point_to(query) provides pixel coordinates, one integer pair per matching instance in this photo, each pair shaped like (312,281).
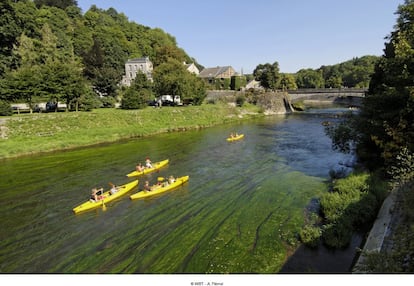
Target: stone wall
(275,103)
(270,102)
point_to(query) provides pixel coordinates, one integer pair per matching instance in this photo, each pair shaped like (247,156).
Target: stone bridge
(351,97)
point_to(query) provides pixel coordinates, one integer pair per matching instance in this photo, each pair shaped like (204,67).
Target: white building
(133,66)
(253,84)
(192,68)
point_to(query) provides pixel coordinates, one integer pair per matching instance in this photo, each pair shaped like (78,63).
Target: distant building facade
(133,66)
(253,84)
(192,68)
(217,73)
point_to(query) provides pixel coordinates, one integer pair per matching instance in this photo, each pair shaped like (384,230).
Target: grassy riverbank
(33,133)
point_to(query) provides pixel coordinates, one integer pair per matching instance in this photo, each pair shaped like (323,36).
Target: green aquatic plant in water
(242,231)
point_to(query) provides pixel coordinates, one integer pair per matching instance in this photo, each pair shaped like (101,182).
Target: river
(240,212)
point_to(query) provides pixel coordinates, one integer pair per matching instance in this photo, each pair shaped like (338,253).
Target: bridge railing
(327,90)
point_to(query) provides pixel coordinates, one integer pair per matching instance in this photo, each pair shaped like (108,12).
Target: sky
(296,34)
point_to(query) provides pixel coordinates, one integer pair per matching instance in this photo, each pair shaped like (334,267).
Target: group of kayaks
(162,186)
(110,195)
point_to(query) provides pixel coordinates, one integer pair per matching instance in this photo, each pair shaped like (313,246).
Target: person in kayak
(171,179)
(147,187)
(139,167)
(96,194)
(114,189)
(148,163)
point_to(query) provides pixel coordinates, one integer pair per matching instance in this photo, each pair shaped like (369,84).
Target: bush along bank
(353,202)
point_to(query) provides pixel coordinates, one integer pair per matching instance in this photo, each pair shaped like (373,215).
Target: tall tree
(388,110)
(287,82)
(164,53)
(23,83)
(353,73)
(9,31)
(44,71)
(27,15)
(46,34)
(62,4)
(384,130)
(138,94)
(309,78)
(172,78)
(26,51)
(268,75)
(63,81)
(110,47)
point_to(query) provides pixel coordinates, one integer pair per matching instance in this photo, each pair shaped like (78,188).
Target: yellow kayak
(107,197)
(238,137)
(158,190)
(155,166)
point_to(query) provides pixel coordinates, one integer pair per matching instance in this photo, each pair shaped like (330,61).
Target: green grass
(34,133)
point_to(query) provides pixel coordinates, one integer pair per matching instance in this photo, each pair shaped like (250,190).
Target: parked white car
(166,99)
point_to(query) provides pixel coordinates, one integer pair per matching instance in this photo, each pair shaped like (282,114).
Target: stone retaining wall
(378,231)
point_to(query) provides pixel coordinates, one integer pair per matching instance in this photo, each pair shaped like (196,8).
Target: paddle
(160,179)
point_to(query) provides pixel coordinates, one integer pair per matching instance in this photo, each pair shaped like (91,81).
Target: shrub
(240,99)
(332,206)
(135,99)
(5,108)
(375,262)
(108,101)
(353,202)
(379,188)
(364,210)
(345,192)
(338,233)
(89,101)
(352,184)
(310,235)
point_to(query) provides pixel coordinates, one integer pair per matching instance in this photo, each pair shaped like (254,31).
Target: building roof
(192,68)
(213,72)
(138,60)
(253,84)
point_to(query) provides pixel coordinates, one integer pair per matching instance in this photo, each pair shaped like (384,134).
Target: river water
(240,212)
